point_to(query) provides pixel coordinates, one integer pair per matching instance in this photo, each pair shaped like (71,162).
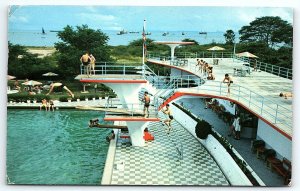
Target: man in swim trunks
(85,61)
(147,104)
(167,111)
(44,104)
(228,80)
(58,84)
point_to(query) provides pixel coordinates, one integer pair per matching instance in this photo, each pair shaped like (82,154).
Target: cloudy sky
(163,18)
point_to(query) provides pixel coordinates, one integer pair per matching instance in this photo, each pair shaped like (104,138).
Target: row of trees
(270,38)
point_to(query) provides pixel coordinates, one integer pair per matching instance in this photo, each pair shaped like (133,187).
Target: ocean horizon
(37,38)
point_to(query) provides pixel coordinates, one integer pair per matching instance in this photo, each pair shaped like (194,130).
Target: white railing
(133,110)
(261,105)
(255,64)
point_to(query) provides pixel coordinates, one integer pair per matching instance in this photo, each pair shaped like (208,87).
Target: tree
(77,42)
(270,30)
(229,37)
(26,65)
(203,129)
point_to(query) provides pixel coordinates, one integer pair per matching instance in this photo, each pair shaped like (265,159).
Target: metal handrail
(107,68)
(270,68)
(136,109)
(267,108)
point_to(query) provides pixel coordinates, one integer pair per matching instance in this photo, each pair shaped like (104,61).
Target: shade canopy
(50,74)
(32,83)
(9,77)
(216,48)
(246,54)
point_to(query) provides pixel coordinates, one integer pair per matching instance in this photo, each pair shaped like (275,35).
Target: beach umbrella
(9,77)
(50,74)
(216,48)
(32,83)
(246,54)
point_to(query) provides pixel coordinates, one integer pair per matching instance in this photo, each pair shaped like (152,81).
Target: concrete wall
(275,140)
(231,170)
(227,106)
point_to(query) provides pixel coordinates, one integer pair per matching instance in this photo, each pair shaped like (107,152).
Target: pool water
(55,147)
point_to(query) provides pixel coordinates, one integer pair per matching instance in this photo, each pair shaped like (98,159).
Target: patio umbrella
(9,77)
(246,54)
(216,48)
(32,83)
(50,74)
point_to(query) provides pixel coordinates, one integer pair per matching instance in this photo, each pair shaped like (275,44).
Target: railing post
(279,71)
(287,73)
(272,69)
(221,88)
(250,99)
(262,105)
(239,93)
(123,69)
(276,113)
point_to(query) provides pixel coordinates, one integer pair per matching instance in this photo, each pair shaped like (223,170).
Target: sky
(130,18)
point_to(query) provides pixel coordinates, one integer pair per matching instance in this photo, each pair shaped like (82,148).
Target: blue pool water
(55,147)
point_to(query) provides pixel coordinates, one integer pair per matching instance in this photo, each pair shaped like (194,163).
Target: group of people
(88,61)
(47,105)
(166,111)
(205,69)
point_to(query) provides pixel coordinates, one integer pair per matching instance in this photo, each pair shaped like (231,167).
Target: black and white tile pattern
(174,159)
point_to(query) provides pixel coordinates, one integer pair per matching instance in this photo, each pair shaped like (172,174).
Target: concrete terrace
(264,87)
(159,162)
(243,146)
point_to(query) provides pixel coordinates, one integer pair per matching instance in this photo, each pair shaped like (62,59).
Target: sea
(37,38)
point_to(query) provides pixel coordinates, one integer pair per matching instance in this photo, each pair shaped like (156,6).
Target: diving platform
(106,126)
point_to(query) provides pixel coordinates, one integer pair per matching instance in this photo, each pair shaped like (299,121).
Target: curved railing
(265,107)
(254,63)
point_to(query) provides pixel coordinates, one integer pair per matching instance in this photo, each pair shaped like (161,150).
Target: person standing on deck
(168,121)
(92,64)
(85,61)
(228,80)
(146,100)
(237,127)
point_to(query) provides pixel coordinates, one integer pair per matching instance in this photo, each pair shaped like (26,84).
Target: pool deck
(159,162)
(243,146)
(262,83)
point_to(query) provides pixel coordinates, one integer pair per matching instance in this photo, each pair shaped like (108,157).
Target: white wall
(275,140)
(227,106)
(231,170)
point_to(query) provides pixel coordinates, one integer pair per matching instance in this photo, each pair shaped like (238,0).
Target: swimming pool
(54,147)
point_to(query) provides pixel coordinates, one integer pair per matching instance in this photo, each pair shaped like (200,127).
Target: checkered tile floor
(160,162)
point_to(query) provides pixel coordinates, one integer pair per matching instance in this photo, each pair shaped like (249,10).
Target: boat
(133,32)
(182,33)
(165,33)
(122,32)
(148,33)
(43,31)
(202,32)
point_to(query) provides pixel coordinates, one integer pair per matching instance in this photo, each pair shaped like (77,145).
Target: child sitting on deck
(148,136)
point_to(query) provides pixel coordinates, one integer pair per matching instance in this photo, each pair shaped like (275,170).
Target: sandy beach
(41,51)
